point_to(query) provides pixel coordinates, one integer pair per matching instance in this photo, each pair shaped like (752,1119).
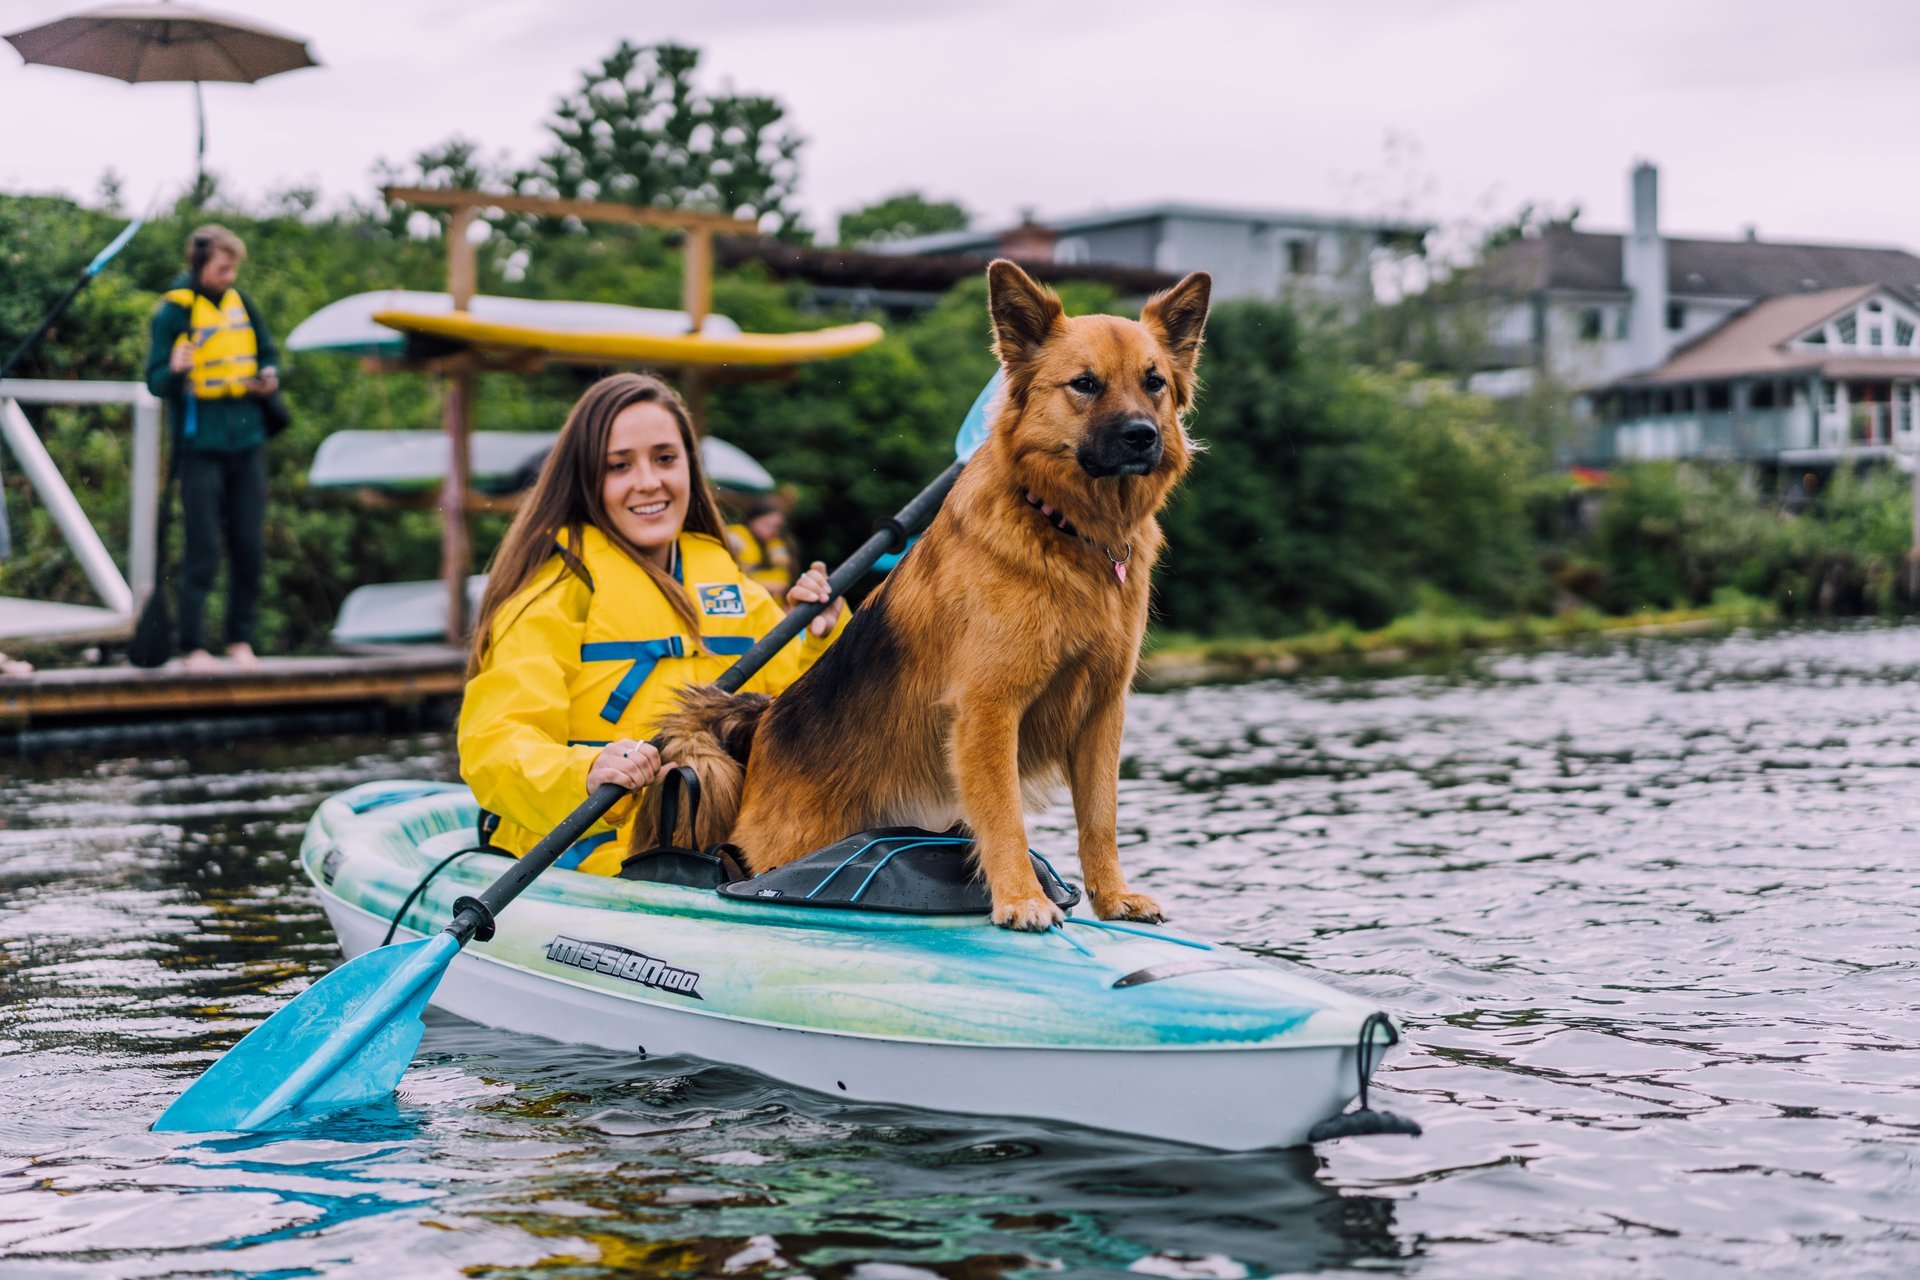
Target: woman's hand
(625,763)
(811,589)
(180,359)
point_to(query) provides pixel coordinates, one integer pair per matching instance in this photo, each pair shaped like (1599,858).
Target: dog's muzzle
(1128,447)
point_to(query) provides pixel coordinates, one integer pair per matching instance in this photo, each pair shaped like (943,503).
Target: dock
(404,687)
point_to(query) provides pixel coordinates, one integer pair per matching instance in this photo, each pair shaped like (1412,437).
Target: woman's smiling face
(647,479)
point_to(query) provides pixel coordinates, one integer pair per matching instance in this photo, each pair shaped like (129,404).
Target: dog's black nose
(1140,436)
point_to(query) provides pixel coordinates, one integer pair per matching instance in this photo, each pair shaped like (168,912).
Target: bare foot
(200,663)
(14,666)
(243,655)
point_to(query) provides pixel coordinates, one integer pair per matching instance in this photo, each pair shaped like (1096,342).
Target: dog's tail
(711,732)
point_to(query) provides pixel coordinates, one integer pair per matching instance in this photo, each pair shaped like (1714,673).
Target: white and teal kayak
(1119,1027)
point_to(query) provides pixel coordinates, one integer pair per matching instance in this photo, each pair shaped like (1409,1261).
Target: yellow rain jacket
(572,668)
(227,354)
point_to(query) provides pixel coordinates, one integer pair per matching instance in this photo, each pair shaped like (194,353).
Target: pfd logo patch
(634,966)
(722,599)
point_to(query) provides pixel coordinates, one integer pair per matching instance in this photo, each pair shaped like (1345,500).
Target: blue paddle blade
(345,1040)
(973,427)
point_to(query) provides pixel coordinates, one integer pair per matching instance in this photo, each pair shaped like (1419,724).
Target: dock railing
(121,596)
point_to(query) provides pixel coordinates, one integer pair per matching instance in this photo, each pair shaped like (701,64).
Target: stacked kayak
(1110,1025)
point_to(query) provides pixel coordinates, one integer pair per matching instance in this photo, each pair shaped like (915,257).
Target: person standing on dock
(212,360)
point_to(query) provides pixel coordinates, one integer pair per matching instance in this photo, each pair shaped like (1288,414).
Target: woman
(612,591)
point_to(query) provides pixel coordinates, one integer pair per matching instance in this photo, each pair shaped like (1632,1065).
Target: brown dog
(994,662)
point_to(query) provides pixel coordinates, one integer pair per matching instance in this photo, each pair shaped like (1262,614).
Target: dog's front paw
(1129,906)
(1035,914)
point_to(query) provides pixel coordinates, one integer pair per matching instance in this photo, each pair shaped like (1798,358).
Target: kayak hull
(1206,1064)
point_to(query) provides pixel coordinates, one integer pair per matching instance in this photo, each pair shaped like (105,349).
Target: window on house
(1876,335)
(1847,329)
(1718,398)
(1593,323)
(1818,338)
(1829,395)
(1903,407)
(1300,257)
(1874,306)
(1676,316)
(1761,396)
(1902,332)
(1620,323)
(1072,249)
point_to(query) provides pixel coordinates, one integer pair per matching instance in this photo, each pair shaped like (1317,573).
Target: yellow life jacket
(225,353)
(768,563)
(572,668)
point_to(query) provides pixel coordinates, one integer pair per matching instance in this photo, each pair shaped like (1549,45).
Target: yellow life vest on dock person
(225,353)
(572,668)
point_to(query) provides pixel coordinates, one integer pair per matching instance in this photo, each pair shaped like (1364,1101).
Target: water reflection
(1645,909)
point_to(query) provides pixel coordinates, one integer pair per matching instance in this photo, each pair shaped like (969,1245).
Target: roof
(1754,343)
(952,241)
(856,269)
(1584,261)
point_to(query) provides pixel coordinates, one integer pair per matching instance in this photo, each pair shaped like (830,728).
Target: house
(1587,311)
(1252,253)
(1802,378)
(862,280)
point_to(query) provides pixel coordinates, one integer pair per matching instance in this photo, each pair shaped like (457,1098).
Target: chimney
(1028,242)
(1643,267)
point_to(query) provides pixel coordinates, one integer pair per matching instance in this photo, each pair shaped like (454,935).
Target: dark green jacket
(220,426)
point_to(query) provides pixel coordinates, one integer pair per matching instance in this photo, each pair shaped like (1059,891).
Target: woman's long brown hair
(570,495)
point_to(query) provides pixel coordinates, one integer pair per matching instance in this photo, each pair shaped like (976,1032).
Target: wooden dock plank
(397,678)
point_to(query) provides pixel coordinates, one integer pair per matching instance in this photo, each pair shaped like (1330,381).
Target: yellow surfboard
(639,348)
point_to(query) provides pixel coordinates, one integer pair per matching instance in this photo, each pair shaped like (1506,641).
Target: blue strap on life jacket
(581,850)
(645,655)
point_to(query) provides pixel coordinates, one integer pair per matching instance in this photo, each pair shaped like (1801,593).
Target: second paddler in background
(759,542)
(612,591)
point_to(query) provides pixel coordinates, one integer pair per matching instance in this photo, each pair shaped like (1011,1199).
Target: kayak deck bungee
(1099,1023)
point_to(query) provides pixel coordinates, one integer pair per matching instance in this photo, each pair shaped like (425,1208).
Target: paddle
(349,1037)
(94,268)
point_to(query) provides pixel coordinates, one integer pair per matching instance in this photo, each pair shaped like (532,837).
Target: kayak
(629,346)
(849,993)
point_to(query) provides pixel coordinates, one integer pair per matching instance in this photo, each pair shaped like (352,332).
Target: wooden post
(693,390)
(696,277)
(461,271)
(456,548)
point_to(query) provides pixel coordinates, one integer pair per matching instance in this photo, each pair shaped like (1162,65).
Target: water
(1647,913)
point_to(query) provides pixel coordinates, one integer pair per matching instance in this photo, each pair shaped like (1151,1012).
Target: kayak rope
(891,853)
(1364,1119)
(394,924)
(1070,940)
(1145,933)
(848,861)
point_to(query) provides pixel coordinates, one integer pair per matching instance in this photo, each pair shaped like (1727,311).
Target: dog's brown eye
(1154,383)
(1086,385)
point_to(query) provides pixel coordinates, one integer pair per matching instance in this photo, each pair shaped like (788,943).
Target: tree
(899,216)
(639,131)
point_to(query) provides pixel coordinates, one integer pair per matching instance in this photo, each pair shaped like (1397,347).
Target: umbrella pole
(200,155)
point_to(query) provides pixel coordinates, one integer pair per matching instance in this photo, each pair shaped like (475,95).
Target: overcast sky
(1795,117)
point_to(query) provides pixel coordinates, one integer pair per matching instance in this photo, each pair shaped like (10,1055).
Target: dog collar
(1058,520)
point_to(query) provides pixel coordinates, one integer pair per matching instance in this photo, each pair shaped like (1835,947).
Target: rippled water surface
(1648,914)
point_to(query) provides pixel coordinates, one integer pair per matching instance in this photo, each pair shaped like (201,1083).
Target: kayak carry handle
(1363,1120)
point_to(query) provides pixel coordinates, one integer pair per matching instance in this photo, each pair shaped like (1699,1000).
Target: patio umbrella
(165,41)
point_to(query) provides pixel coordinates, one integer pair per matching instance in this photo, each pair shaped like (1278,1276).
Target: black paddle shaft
(473,916)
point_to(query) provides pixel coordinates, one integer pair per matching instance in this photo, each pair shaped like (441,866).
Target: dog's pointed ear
(1178,317)
(1024,314)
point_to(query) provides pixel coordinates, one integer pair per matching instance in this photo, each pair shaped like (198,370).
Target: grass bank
(1173,658)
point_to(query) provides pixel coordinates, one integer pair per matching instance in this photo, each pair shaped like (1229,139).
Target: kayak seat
(898,869)
(671,863)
